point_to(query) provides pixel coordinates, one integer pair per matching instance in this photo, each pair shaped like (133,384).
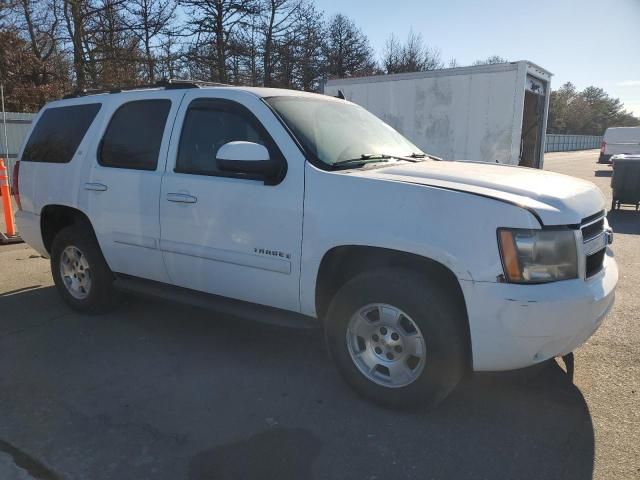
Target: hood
(555,198)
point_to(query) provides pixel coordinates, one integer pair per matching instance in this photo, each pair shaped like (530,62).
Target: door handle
(181,198)
(95,187)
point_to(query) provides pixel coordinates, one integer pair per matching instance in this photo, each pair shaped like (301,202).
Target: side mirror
(246,157)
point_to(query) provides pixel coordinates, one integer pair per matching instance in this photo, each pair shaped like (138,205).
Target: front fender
(453,228)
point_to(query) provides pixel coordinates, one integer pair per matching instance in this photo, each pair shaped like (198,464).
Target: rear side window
(134,135)
(58,133)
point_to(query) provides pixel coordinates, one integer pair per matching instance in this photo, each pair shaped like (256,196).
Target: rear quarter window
(58,133)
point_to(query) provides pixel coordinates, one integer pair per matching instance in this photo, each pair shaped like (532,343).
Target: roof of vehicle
(134,93)
(622,133)
(622,129)
(182,85)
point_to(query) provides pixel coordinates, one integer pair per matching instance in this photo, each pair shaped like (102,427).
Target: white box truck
(488,113)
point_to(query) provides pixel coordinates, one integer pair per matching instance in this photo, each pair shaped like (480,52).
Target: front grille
(594,262)
(593,217)
(592,227)
(593,230)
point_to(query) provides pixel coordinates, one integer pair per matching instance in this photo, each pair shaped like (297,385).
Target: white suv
(292,207)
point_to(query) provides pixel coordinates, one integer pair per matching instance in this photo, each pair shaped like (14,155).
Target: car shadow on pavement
(158,390)
(624,220)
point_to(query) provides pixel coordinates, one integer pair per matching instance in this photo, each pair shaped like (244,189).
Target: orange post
(6,200)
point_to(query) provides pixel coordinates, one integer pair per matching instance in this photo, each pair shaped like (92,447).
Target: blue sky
(587,42)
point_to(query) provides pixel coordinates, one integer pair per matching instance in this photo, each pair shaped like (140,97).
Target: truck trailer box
(488,113)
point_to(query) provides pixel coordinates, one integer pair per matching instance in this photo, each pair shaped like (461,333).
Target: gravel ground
(162,391)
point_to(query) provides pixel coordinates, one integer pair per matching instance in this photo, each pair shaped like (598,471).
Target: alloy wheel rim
(386,345)
(75,272)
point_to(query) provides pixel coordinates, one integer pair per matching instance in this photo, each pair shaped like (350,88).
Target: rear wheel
(397,337)
(80,272)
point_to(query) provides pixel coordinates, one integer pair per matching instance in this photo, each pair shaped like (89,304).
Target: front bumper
(514,326)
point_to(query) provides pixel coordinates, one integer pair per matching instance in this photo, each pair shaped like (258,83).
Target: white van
(619,140)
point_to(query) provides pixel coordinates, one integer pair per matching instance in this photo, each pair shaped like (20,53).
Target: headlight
(538,256)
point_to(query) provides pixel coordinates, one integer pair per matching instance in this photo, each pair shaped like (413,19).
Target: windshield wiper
(363,159)
(383,157)
(425,155)
(416,156)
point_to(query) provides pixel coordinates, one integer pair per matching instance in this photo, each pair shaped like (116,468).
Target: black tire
(440,317)
(101,296)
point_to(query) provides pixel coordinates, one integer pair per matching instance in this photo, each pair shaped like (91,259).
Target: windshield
(339,131)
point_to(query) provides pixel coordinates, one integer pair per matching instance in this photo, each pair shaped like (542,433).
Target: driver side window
(208,125)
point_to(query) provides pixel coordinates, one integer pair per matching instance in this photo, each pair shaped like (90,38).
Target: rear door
(120,189)
(54,153)
(224,233)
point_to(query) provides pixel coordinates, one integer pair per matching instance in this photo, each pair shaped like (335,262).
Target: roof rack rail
(177,83)
(167,84)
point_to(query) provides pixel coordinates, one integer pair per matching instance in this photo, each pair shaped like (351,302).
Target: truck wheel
(80,272)
(398,338)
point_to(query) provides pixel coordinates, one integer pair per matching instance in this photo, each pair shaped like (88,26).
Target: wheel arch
(55,217)
(342,263)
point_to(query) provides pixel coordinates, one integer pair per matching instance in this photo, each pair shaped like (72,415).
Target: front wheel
(398,338)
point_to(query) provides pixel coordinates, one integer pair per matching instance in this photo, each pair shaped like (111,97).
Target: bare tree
(114,54)
(310,57)
(148,21)
(20,74)
(38,22)
(492,60)
(213,23)
(278,18)
(243,59)
(413,56)
(168,60)
(5,12)
(87,24)
(420,57)
(285,61)
(392,55)
(252,67)
(76,14)
(348,50)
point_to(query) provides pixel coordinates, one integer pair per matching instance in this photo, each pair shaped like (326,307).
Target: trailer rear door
(533,116)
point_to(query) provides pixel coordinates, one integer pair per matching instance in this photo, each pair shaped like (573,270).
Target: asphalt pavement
(162,391)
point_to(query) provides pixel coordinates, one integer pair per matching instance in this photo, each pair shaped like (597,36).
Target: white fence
(567,143)
(13,128)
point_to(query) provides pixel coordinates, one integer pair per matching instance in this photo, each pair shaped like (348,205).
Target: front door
(232,234)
